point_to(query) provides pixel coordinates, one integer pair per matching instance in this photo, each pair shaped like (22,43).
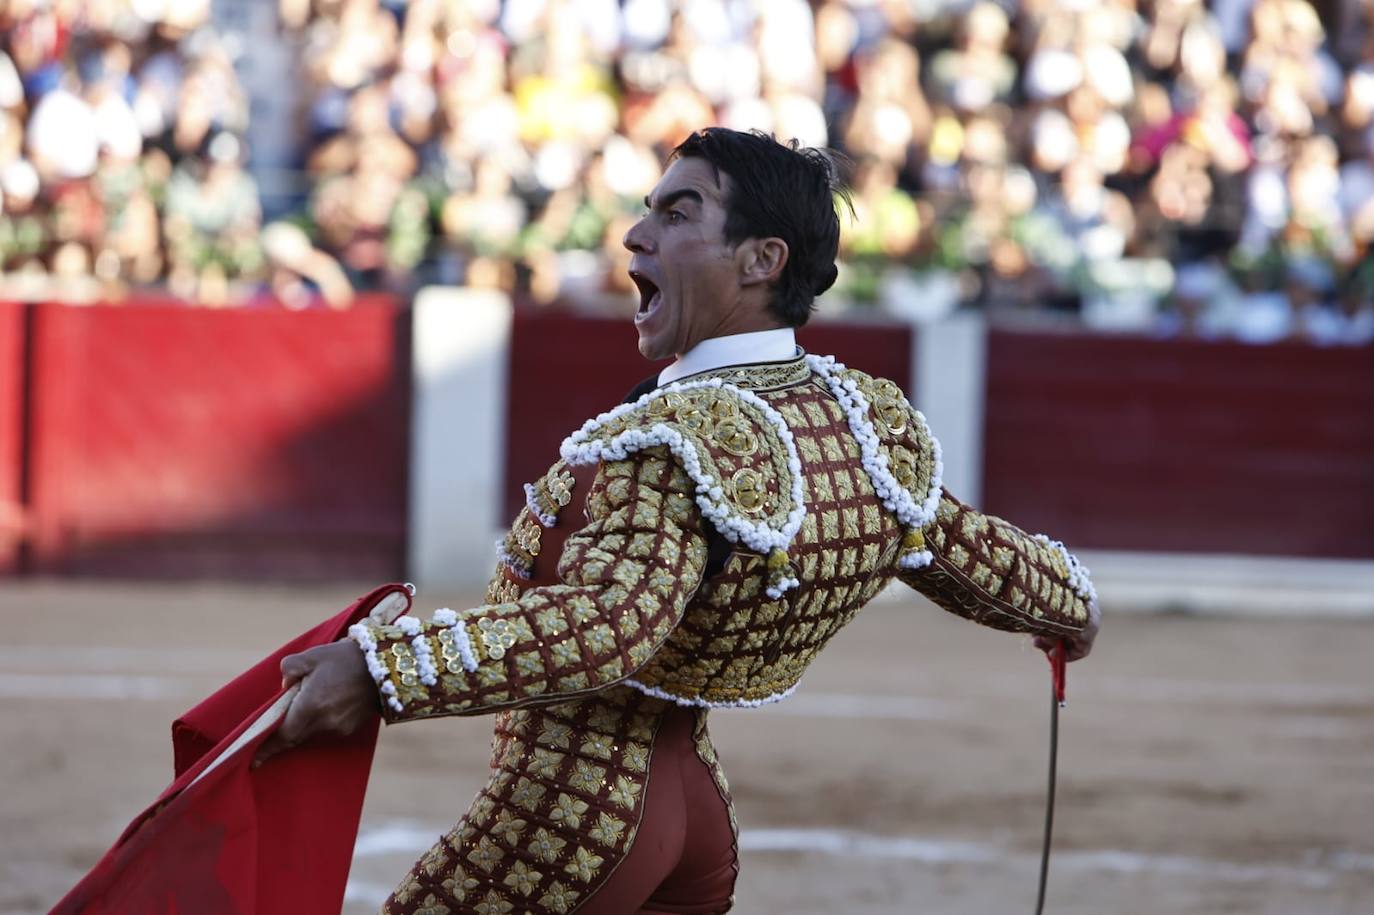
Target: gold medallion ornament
(889,407)
(667,405)
(724,409)
(714,428)
(750,492)
(735,437)
(693,417)
(903,466)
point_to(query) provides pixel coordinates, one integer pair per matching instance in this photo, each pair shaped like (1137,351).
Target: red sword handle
(1059,668)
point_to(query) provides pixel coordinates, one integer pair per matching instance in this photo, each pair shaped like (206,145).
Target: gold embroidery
(508,827)
(889,407)
(584,865)
(735,437)
(569,810)
(665,405)
(750,491)
(559,898)
(546,846)
(523,878)
(502,590)
(560,486)
(903,466)
(486,855)
(608,830)
(498,635)
(761,376)
(526,534)
(695,418)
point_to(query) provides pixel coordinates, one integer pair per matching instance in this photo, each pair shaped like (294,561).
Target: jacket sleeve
(627,576)
(994,573)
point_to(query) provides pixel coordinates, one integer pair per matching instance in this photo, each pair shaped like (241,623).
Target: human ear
(762,260)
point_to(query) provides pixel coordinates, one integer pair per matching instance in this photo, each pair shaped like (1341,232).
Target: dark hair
(779,190)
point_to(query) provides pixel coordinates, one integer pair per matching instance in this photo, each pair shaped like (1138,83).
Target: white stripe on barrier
(948,369)
(458,423)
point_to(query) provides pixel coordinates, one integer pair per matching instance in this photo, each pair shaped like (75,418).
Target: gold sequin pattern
(501,590)
(991,571)
(734,443)
(563,804)
(734,644)
(616,606)
(558,814)
(554,490)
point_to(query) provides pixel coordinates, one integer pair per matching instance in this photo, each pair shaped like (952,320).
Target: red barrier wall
(1128,443)
(174,441)
(11,433)
(566,368)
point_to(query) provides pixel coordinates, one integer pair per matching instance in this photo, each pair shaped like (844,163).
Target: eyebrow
(673,197)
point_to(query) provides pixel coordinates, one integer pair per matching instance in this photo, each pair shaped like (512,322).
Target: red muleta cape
(226,839)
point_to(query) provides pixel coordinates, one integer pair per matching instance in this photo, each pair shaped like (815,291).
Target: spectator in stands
(890,119)
(211,223)
(367,209)
(23,226)
(977,72)
(300,274)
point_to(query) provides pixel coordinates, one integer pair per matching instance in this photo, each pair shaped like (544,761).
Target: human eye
(675,216)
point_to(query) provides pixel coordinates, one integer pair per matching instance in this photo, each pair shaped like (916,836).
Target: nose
(637,238)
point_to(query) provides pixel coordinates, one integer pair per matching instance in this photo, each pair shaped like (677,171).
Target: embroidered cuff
(1077,577)
(361,634)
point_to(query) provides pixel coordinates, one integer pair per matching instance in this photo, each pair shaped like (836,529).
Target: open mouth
(649,295)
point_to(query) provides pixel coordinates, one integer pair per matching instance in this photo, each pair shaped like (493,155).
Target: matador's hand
(1078,644)
(336,698)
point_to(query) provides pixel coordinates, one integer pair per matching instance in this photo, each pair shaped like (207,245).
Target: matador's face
(692,284)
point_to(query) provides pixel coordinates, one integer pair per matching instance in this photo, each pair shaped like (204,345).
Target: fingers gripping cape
(225,838)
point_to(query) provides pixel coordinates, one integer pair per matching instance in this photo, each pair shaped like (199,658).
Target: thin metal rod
(1049,802)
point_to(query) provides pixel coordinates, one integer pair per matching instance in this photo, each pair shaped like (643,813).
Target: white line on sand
(407,838)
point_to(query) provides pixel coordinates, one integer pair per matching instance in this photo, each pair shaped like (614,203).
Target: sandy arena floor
(1208,766)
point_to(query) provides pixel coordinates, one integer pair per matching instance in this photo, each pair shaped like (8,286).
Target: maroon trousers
(683,860)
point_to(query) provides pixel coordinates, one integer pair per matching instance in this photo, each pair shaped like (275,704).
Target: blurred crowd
(123,160)
(1203,168)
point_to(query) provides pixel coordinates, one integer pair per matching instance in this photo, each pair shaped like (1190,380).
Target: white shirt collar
(777,345)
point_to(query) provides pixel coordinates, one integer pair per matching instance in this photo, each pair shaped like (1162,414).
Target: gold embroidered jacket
(824,483)
(700,546)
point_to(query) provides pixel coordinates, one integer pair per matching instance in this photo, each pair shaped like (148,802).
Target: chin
(652,350)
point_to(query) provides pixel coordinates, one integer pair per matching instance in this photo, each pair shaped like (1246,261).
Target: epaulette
(735,447)
(899,453)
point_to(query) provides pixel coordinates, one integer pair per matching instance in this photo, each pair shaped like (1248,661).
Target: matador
(695,547)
